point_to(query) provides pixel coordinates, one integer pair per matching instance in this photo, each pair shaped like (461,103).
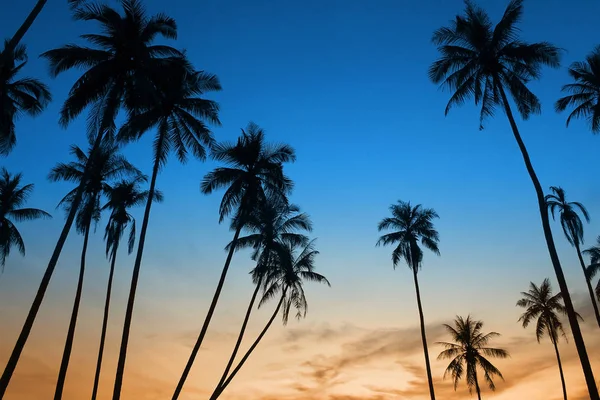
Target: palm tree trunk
(220,390)
(588,283)
(104,322)
(477,388)
(560,369)
(39,296)
(64,364)
(209,315)
(423,336)
(560,277)
(134,280)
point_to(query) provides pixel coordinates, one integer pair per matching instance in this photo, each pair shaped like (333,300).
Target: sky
(345,83)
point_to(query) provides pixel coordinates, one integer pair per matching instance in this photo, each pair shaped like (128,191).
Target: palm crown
(594,267)
(569,219)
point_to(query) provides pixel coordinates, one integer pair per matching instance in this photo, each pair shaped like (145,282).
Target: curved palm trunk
(220,390)
(560,277)
(64,364)
(560,369)
(588,283)
(39,296)
(477,389)
(134,281)
(209,315)
(104,322)
(423,336)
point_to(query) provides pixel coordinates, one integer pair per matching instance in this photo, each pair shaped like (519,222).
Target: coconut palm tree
(594,267)
(285,276)
(469,351)
(584,93)
(543,307)
(17,96)
(573,230)
(411,225)
(489,63)
(104,164)
(12,197)
(122,196)
(254,172)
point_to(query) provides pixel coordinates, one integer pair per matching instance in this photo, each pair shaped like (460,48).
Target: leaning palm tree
(284,277)
(469,351)
(106,164)
(542,306)
(485,62)
(17,96)
(573,230)
(594,267)
(254,173)
(121,197)
(584,93)
(12,197)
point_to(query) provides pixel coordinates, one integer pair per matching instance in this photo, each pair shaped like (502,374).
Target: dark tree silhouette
(254,172)
(13,196)
(584,93)
(594,267)
(483,61)
(411,225)
(469,351)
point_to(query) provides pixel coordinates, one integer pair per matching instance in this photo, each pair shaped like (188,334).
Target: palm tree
(470,351)
(594,267)
(114,76)
(285,275)
(573,230)
(12,197)
(18,95)
(254,173)
(105,164)
(584,93)
(484,61)
(541,305)
(121,197)
(411,225)
(273,224)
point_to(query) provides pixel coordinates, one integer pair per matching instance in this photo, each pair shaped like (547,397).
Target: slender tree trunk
(134,281)
(560,369)
(220,390)
(588,283)
(477,388)
(39,296)
(211,310)
(560,277)
(423,336)
(104,322)
(64,364)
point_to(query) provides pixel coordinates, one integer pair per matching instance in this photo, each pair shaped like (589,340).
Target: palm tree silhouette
(273,223)
(573,230)
(470,351)
(104,164)
(18,95)
(286,274)
(584,93)
(484,61)
(121,197)
(594,267)
(115,75)
(542,306)
(254,172)
(12,197)
(411,225)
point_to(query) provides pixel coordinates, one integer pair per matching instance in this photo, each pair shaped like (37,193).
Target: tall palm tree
(122,196)
(543,307)
(286,274)
(273,224)
(584,93)
(12,197)
(17,96)
(104,164)
(594,267)
(484,61)
(411,225)
(469,351)
(254,172)
(573,230)
(114,75)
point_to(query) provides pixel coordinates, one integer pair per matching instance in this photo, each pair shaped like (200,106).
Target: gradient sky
(345,83)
